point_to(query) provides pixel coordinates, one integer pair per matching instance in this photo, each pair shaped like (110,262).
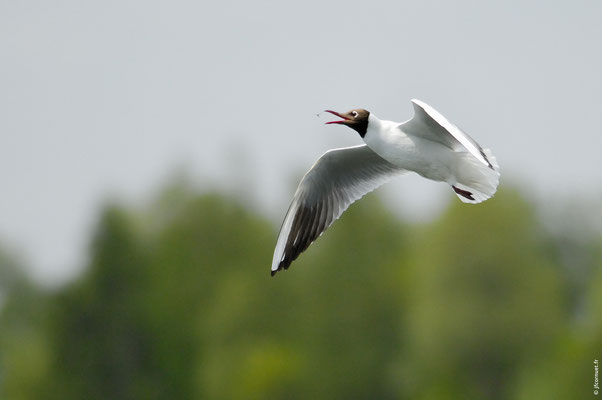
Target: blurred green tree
(177,302)
(24,349)
(483,297)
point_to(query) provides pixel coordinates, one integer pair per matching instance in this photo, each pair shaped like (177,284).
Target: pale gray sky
(108,97)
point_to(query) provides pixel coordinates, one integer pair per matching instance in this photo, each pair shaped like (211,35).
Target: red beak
(338,115)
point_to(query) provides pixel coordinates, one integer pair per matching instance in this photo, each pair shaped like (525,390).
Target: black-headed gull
(427,144)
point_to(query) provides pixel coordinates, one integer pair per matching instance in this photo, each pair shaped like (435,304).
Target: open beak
(338,115)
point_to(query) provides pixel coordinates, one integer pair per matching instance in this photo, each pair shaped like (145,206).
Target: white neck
(374,127)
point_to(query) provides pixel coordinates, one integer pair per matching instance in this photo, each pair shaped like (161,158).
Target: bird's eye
(354,113)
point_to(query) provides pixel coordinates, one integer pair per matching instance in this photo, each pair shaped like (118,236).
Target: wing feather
(337,179)
(430,124)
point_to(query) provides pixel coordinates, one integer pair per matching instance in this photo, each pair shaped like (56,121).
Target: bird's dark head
(356,119)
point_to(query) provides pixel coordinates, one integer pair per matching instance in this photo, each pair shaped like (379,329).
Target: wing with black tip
(337,179)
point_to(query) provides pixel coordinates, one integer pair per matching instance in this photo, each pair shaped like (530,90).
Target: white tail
(476,181)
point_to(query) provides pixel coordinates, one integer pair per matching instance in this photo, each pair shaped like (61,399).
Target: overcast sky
(107,98)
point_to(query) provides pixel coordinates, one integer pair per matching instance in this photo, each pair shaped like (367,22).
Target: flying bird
(427,144)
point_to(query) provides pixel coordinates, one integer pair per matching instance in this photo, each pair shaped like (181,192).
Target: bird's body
(427,144)
(429,159)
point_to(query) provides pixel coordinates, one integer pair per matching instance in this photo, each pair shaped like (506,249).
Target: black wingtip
(273,273)
(463,193)
(486,159)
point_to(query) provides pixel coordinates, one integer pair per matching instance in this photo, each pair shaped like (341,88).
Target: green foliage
(484,298)
(177,302)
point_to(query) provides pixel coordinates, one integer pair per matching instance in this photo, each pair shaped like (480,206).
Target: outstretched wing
(430,124)
(337,179)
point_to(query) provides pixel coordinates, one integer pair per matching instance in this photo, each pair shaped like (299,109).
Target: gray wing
(430,124)
(337,179)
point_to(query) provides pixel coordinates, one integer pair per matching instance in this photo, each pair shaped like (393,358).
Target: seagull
(427,144)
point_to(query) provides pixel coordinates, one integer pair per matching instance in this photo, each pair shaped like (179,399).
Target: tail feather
(474,177)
